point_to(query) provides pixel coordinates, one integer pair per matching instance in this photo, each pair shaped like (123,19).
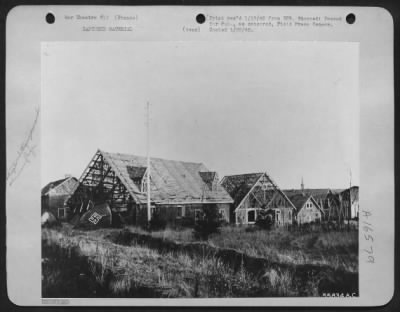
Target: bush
(264,219)
(157,222)
(208,224)
(251,229)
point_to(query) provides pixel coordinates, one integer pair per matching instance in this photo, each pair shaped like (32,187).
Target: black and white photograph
(199,156)
(199,169)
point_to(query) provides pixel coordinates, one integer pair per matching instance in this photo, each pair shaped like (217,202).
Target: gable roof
(239,185)
(52,185)
(172,181)
(353,192)
(317,194)
(299,198)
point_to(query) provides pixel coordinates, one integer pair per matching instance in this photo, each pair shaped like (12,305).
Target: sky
(290,109)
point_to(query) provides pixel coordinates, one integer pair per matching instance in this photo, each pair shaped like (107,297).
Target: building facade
(337,205)
(55,196)
(308,210)
(179,191)
(254,192)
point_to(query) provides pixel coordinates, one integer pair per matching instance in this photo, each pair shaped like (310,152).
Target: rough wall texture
(53,203)
(177,215)
(309,214)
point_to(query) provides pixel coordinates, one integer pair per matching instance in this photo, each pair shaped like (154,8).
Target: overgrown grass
(122,271)
(338,249)
(180,235)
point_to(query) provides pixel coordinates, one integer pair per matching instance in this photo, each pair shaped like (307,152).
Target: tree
(265,219)
(209,222)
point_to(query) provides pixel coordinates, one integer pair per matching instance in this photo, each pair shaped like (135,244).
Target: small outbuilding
(55,195)
(308,210)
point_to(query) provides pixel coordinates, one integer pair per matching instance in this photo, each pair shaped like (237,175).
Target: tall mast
(350,196)
(148,163)
(349,208)
(350,178)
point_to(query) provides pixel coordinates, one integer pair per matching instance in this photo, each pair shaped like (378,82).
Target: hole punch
(50,18)
(200,18)
(350,18)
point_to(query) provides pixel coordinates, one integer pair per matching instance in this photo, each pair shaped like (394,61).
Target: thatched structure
(253,192)
(179,190)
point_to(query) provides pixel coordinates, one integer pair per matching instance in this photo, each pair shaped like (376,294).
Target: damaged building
(254,192)
(179,191)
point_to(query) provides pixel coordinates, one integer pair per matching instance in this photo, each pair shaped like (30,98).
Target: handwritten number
(371,259)
(366,214)
(368,229)
(369,251)
(368,237)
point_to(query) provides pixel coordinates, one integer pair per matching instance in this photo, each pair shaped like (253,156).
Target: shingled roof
(52,185)
(238,186)
(172,181)
(317,194)
(299,198)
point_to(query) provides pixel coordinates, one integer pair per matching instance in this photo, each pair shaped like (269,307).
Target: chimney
(302,185)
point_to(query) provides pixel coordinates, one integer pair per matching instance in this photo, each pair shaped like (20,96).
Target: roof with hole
(354,193)
(238,186)
(172,181)
(317,194)
(299,198)
(64,188)
(208,176)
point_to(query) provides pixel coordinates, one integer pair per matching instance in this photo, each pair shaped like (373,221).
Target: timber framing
(265,179)
(99,183)
(120,181)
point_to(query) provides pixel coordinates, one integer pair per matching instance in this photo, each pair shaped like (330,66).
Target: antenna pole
(349,212)
(148,163)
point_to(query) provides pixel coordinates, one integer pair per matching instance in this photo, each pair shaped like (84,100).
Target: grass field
(338,249)
(79,263)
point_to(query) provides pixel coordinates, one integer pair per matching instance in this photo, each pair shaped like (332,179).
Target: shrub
(157,222)
(251,229)
(208,223)
(264,219)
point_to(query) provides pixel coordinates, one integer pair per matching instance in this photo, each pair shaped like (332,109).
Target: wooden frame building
(55,195)
(308,210)
(338,205)
(179,190)
(256,191)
